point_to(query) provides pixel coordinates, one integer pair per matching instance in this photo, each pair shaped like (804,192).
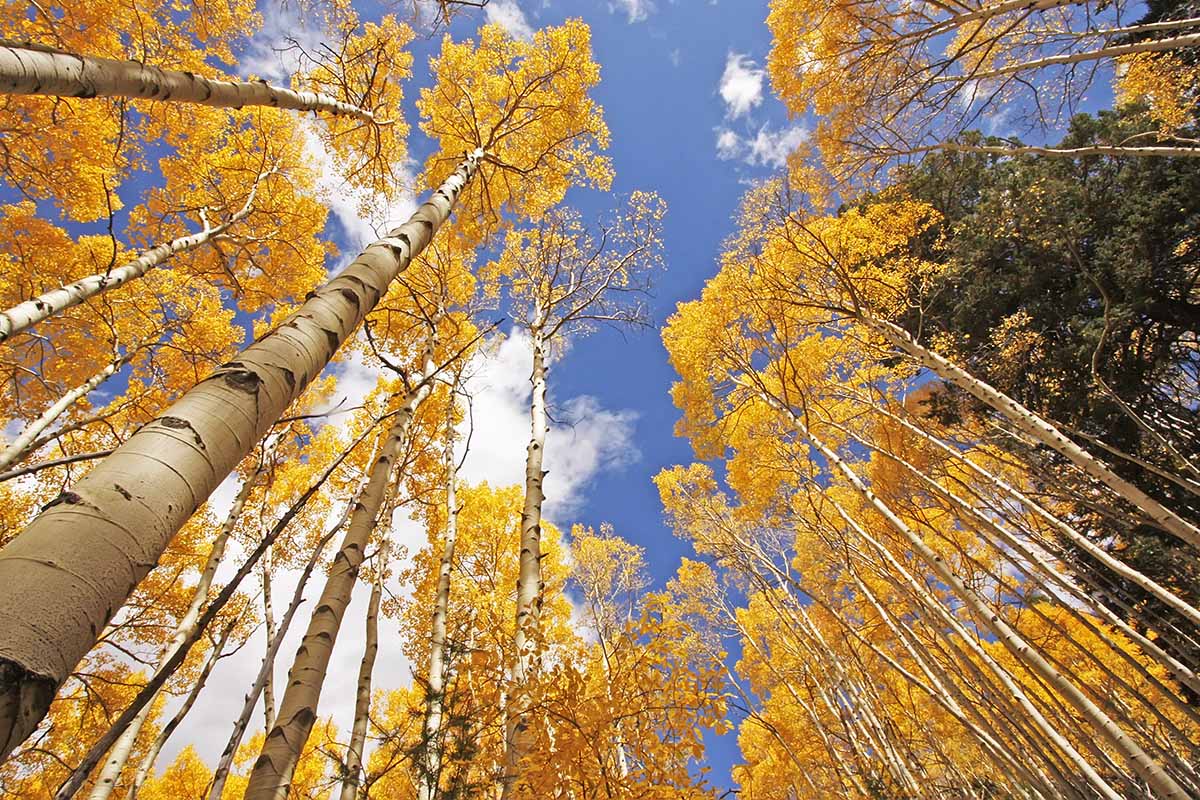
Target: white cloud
(584,437)
(771,148)
(346,202)
(676,57)
(274,52)
(635,10)
(767,148)
(741,85)
(729,144)
(508,15)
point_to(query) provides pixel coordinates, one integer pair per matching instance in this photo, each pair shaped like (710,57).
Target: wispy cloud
(585,439)
(508,15)
(635,10)
(766,148)
(741,85)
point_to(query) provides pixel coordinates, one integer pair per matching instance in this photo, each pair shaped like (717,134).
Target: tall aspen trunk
(1047,735)
(147,763)
(106,781)
(987,12)
(1151,45)
(221,773)
(21,445)
(46,305)
(362,699)
(947,701)
(115,523)
(1060,583)
(431,756)
(1036,427)
(272,774)
(147,693)
(917,589)
(529,578)
(1120,568)
(1163,784)
(268,691)
(39,70)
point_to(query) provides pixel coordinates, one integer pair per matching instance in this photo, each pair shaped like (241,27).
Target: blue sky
(677,79)
(692,118)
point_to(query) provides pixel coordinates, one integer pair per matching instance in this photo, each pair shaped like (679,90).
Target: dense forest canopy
(341,458)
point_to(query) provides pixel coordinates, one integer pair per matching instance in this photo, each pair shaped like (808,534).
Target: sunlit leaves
(527,105)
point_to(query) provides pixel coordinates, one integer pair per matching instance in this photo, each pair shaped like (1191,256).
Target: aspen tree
(778,372)
(213,425)
(362,699)
(147,693)
(146,765)
(41,70)
(48,155)
(221,774)
(197,434)
(565,279)
(273,769)
(899,80)
(430,769)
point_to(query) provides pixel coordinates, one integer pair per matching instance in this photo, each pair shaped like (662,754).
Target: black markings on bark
(351,297)
(242,380)
(121,490)
(396,250)
(175,423)
(365,287)
(333,339)
(290,377)
(69,498)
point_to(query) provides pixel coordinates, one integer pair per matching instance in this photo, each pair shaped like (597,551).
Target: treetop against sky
(646,398)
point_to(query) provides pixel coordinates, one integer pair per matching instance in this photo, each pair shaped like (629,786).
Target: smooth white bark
(272,774)
(44,71)
(352,778)
(115,523)
(21,445)
(30,312)
(529,577)
(431,754)
(1160,781)
(1036,427)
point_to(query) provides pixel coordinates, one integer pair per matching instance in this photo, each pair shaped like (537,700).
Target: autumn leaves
(234,228)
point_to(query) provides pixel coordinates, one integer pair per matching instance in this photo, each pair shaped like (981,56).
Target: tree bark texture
(41,70)
(67,573)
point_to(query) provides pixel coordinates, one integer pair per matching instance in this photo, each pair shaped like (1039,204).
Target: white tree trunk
(221,773)
(1163,785)
(1033,425)
(268,691)
(21,445)
(46,305)
(431,764)
(362,699)
(45,71)
(147,762)
(529,577)
(272,774)
(115,523)
(1151,45)
(106,781)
